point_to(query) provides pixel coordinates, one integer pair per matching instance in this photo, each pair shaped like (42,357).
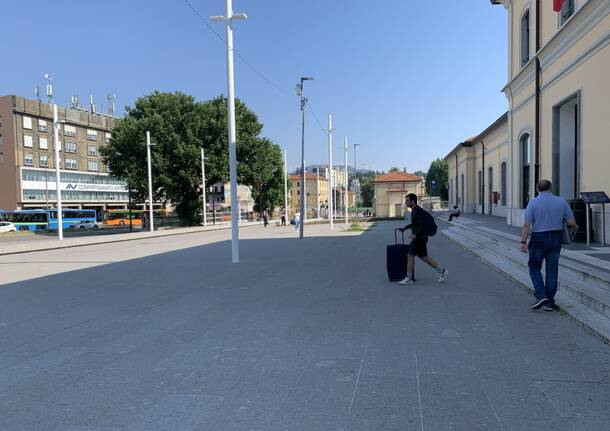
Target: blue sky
(405,79)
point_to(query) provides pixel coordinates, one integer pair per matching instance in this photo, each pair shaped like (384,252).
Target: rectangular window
(42,126)
(567,10)
(108,136)
(69,130)
(27,141)
(70,147)
(92,165)
(27,123)
(71,164)
(92,150)
(44,161)
(91,135)
(43,144)
(29,159)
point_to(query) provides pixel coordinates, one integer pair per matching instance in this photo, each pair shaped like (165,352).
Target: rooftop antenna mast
(37,92)
(111,98)
(91,104)
(49,79)
(74,103)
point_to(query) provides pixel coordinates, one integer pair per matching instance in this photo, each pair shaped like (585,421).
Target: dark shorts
(418,247)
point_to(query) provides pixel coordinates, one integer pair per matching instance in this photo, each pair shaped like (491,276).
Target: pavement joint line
(421,408)
(351,404)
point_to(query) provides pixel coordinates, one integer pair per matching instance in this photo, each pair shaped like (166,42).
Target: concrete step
(593,295)
(567,264)
(587,305)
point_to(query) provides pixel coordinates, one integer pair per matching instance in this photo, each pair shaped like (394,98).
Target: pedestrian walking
(283,217)
(420,226)
(265,218)
(297,220)
(544,219)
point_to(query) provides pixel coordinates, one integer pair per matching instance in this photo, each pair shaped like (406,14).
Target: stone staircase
(584,289)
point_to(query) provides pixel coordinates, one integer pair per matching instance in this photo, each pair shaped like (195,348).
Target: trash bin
(579,208)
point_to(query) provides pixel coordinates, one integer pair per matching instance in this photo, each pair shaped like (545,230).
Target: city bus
(121,218)
(25,220)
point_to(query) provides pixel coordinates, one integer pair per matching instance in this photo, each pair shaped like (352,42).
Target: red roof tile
(397,176)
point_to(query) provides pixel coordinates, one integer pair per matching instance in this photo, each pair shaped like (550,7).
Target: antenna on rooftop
(74,103)
(91,104)
(111,98)
(37,92)
(49,79)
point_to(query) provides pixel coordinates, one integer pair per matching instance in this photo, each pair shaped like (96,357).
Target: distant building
(390,192)
(316,188)
(27,165)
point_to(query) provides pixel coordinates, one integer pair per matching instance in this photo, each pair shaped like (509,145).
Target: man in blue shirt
(544,218)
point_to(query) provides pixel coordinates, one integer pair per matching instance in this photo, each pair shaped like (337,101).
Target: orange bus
(121,218)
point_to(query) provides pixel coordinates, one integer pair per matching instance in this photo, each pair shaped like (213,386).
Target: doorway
(490,187)
(566,148)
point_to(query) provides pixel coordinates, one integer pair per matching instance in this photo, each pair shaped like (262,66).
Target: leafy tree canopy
(179,128)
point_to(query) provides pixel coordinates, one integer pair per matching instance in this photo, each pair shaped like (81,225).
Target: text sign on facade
(595,197)
(80,187)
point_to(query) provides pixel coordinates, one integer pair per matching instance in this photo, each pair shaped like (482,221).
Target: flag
(557,4)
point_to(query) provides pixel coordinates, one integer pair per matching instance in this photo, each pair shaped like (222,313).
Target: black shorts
(418,247)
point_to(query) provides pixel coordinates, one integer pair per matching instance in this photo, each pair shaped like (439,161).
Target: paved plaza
(167,334)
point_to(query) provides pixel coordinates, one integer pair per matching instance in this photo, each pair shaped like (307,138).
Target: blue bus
(45,219)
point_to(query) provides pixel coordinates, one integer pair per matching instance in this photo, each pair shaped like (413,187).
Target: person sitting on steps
(455,213)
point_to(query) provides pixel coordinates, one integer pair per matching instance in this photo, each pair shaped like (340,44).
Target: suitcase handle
(396,236)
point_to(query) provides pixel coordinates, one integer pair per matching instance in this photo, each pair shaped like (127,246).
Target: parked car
(6,226)
(85,224)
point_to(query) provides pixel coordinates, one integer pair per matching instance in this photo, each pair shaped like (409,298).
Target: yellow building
(478,169)
(558,93)
(316,188)
(390,192)
(557,124)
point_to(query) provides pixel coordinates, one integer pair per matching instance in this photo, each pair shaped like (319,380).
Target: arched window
(526,160)
(503,184)
(525,38)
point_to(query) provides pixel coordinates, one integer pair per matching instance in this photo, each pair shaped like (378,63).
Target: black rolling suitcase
(396,259)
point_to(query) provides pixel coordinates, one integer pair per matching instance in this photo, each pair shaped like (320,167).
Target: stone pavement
(301,335)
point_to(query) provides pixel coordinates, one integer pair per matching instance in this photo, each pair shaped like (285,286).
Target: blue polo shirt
(547,212)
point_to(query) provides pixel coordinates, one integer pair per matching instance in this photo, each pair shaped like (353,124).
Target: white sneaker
(443,276)
(406,280)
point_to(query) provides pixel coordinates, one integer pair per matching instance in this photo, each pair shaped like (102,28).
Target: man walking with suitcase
(419,241)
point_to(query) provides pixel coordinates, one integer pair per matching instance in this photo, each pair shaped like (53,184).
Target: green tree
(179,127)
(394,169)
(438,172)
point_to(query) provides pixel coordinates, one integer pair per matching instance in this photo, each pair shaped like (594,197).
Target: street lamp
(150,196)
(300,93)
(228,19)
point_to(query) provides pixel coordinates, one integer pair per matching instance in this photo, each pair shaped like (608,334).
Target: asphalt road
(167,334)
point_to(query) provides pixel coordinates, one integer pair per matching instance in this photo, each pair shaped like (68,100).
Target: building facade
(390,192)
(556,127)
(27,160)
(316,189)
(478,171)
(558,92)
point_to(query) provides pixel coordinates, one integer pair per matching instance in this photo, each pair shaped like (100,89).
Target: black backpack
(431,226)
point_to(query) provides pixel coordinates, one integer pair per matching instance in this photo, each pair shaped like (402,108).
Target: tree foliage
(438,172)
(180,127)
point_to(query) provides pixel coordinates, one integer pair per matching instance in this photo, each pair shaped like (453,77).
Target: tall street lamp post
(300,92)
(228,19)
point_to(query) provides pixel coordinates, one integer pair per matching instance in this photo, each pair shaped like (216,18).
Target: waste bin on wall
(579,208)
